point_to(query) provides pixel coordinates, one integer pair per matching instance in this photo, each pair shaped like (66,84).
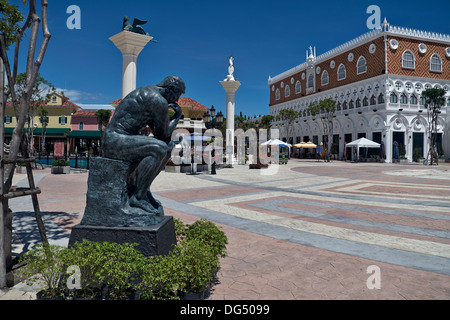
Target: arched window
(403,99)
(365,102)
(393,98)
(325,78)
(422,101)
(361,65)
(373,100)
(310,83)
(287,91)
(408,60)
(298,87)
(351,104)
(435,63)
(380,98)
(277,94)
(413,100)
(358,103)
(338,106)
(342,72)
(344,105)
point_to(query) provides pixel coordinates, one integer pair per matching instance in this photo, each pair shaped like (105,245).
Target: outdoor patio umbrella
(309,144)
(275,142)
(300,145)
(362,143)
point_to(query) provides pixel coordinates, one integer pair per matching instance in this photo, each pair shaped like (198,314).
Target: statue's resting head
(174,87)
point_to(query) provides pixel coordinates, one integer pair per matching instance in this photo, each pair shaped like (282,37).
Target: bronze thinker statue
(119,183)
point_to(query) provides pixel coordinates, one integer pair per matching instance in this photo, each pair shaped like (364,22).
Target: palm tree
(103,117)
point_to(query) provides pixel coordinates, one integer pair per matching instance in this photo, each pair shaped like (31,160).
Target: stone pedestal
(157,239)
(107,198)
(109,217)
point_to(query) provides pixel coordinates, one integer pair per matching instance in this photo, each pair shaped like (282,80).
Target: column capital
(230,86)
(130,43)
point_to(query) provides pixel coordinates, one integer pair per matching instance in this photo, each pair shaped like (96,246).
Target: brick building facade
(377,80)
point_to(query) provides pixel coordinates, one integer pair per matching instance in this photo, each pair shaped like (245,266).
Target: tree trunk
(32,70)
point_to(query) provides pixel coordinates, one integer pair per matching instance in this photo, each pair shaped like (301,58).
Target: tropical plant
(434,100)
(325,110)
(287,116)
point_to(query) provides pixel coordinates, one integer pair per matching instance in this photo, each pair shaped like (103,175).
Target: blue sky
(196,37)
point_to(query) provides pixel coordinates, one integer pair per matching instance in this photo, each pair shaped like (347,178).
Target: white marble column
(230,90)
(130,44)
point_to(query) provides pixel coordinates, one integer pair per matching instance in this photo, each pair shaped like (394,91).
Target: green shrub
(122,269)
(160,278)
(113,265)
(195,265)
(60,163)
(212,235)
(44,264)
(180,229)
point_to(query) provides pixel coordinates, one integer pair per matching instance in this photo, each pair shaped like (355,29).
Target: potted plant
(172,167)
(258,166)
(43,264)
(60,167)
(20,168)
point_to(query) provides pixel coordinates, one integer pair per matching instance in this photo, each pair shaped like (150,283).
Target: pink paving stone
(207,193)
(312,273)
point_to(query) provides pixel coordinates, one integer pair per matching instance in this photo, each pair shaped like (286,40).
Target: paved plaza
(305,230)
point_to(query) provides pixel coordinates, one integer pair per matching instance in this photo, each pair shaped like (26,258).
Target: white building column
(130,44)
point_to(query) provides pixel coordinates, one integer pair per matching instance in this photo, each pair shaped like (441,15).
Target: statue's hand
(176,108)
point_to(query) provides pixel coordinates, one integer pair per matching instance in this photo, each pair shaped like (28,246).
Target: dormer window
(53,99)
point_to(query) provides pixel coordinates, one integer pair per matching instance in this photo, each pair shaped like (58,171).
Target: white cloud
(77,96)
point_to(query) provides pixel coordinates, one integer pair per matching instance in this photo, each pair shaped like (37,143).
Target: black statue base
(157,239)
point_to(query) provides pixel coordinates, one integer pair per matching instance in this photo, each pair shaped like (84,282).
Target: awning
(84,134)
(38,131)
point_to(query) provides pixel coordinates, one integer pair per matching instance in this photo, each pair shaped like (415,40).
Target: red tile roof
(66,103)
(85,113)
(183,101)
(88,113)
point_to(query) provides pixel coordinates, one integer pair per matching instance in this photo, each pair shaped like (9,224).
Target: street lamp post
(213,121)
